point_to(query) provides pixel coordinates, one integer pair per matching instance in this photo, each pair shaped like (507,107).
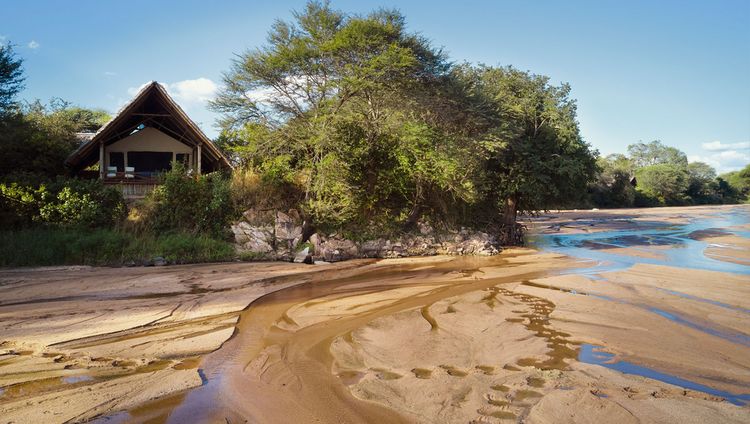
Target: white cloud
(110,74)
(725,157)
(132,91)
(197,90)
(718,146)
(3,38)
(33,45)
(193,91)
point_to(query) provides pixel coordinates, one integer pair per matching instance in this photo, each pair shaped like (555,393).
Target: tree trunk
(510,212)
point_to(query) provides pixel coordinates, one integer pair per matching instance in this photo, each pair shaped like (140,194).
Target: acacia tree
(536,157)
(655,153)
(354,107)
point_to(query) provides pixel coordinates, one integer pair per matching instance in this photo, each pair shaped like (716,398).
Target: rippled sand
(525,336)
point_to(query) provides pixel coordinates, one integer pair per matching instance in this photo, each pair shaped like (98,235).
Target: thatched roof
(151,107)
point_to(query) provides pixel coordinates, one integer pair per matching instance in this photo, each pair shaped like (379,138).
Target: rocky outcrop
(276,235)
(268,234)
(256,239)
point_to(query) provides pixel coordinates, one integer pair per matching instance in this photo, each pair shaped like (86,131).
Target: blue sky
(677,71)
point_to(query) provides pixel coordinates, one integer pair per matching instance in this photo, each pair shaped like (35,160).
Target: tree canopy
(373,124)
(11,77)
(653,174)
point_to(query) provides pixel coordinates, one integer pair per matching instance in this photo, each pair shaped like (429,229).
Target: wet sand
(580,329)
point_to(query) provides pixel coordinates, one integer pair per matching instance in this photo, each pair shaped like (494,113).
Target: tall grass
(40,246)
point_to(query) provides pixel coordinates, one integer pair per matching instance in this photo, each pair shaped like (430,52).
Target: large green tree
(536,157)
(667,183)
(356,110)
(36,138)
(655,153)
(373,125)
(737,184)
(701,183)
(11,77)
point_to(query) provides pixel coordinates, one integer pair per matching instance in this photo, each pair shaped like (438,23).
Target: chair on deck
(111,171)
(129,172)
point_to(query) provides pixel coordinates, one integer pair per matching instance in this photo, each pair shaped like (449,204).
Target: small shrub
(191,204)
(251,189)
(64,202)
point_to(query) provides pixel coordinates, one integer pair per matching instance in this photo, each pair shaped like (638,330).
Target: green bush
(64,202)
(191,204)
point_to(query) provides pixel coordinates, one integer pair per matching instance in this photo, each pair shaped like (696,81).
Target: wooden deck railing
(133,187)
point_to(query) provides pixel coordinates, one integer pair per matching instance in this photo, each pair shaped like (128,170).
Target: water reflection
(591,354)
(684,244)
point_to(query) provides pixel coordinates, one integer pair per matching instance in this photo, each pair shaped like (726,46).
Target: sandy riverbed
(516,337)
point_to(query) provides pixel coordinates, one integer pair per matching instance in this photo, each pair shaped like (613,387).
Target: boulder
(259,217)
(316,240)
(336,249)
(304,257)
(256,239)
(374,248)
(287,231)
(425,228)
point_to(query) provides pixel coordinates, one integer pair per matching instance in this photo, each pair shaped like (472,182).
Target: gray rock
(304,257)
(287,232)
(373,248)
(425,228)
(337,249)
(315,240)
(159,261)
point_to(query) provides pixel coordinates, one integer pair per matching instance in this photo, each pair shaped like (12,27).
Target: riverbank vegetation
(360,125)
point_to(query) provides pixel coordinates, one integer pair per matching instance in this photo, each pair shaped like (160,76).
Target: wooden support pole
(198,158)
(102,171)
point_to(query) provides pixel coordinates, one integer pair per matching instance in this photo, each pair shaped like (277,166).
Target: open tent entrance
(150,163)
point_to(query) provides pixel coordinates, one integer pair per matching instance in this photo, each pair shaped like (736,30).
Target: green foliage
(41,246)
(613,188)
(64,202)
(666,182)
(655,153)
(192,204)
(376,129)
(664,177)
(11,78)
(37,139)
(736,184)
(347,114)
(702,185)
(536,156)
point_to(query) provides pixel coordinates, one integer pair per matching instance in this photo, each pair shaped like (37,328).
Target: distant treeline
(652,174)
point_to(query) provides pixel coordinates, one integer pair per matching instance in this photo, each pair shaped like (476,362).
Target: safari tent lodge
(142,141)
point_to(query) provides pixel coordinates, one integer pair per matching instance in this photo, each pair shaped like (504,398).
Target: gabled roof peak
(152,106)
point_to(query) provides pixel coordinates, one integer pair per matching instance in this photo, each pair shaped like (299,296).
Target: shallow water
(592,354)
(680,245)
(685,247)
